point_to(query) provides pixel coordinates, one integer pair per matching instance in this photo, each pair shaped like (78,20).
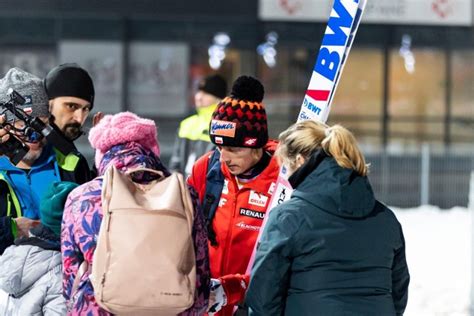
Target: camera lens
(14,149)
(31,135)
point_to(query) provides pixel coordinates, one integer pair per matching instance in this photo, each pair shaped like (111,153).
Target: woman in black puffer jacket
(332,249)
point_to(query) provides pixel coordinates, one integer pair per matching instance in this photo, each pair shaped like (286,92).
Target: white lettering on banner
(428,12)
(257,199)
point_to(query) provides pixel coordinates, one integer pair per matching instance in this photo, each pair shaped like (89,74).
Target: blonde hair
(305,137)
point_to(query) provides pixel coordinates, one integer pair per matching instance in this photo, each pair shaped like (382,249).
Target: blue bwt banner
(337,42)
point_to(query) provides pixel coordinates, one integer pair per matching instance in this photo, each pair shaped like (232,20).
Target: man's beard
(32,156)
(72,131)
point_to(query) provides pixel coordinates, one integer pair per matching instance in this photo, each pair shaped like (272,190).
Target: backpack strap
(214,186)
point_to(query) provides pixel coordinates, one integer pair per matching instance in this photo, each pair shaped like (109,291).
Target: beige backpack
(144,262)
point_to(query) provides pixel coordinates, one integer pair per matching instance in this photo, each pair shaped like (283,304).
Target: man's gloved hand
(217,297)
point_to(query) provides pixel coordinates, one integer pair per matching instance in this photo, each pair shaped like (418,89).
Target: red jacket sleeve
(235,286)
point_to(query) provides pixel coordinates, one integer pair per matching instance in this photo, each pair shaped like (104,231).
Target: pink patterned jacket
(81,222)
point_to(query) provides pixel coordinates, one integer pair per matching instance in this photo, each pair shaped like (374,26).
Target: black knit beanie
(69,80)
(240,119)
(215,85)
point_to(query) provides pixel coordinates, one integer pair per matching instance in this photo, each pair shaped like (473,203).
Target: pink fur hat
(122,128)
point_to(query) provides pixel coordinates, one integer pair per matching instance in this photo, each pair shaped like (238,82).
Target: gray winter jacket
(33,279)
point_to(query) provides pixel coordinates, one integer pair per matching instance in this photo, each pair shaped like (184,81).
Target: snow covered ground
(439,250)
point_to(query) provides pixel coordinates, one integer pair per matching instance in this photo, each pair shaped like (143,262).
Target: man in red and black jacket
(235,184)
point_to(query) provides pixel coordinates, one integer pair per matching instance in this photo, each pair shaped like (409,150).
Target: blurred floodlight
(267,49)
(222,39)
(215,63)
(406,53)
(216,51)
(272,38)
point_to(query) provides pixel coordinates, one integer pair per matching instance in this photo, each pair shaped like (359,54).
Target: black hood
(333,189)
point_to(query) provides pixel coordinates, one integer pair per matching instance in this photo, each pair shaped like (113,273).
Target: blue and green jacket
(21,190)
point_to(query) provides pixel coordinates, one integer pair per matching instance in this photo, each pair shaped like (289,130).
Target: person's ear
(300,160)
(96,118)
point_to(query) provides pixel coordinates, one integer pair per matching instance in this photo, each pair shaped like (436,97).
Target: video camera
(34,130)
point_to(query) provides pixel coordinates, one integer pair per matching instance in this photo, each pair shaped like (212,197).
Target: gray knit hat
(30,87)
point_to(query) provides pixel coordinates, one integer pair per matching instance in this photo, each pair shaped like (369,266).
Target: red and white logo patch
(442,8)
(291,7)
(257,199)
(250,141)
(219,140)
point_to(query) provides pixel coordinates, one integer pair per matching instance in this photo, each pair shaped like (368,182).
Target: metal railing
(410,180)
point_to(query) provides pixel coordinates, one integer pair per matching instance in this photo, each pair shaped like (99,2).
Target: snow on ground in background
(438,249)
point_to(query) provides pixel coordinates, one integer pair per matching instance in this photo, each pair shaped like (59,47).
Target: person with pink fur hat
(128,142)
(123,128)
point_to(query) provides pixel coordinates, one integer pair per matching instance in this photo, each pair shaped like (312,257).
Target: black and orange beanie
(240,119)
